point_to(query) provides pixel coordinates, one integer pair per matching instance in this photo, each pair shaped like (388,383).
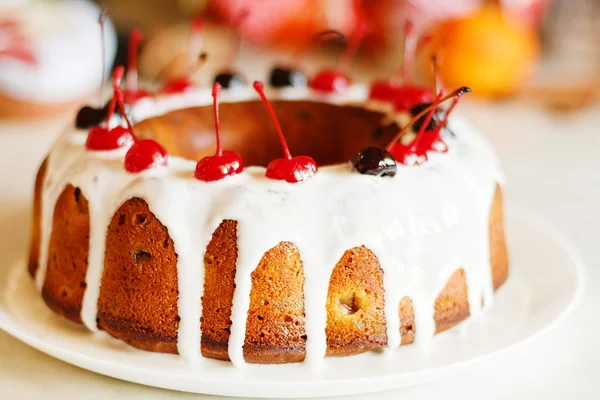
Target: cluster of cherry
(145,154)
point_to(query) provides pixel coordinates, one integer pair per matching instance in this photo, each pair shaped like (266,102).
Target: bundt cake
(378,232)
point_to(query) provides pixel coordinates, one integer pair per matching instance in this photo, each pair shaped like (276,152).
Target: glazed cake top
(423,224)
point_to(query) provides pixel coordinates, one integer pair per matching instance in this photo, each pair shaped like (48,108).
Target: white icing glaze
(65,38)
(423,224)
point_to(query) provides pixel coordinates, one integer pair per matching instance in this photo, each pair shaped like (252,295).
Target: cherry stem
(236,23)
(259,87)
(456,93)
(196,38)
(410,47)
(102,21)
(426,122)
(200,61)
(448,111)
(352,47)
(117,76)
(135,37)
(434,68)
(216,93)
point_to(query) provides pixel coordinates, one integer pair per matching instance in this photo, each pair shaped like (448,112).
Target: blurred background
(539,51)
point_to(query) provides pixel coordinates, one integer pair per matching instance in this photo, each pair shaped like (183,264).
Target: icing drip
(422,224)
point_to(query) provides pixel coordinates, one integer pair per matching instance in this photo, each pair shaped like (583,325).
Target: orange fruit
(487,51)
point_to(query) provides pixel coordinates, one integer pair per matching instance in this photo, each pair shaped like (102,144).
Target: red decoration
(337,80)
(103,138)
(144,155)
(183,84)
(223,163)
(132,93)
(404,95)
(425,141)
(289,169)
(16,44)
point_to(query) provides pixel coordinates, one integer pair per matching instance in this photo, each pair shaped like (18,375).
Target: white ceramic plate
(545,282)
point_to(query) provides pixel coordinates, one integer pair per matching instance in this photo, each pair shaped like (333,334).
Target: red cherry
(103,138)
(289,169)
(144,155)
(337,80)
(179,85)
(183,84)
(416,152)
(406,95)
(293,170)
(330,81)
(223,163)
(100,138)
(409,96)
(132,97)
(132,93)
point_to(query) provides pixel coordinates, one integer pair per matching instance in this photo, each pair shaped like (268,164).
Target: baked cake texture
(249,269)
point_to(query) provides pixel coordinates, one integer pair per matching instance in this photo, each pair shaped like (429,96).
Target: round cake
(142,230)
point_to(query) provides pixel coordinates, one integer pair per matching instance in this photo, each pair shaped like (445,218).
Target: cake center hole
(329,133)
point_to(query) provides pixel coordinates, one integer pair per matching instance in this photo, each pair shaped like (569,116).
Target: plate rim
(135,374)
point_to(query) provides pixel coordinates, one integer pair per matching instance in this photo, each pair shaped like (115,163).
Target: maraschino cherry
(102,137)
(223,163)
(132,93)
(183,84)
(289,169)
(144,155)
(404,95)
(337,80)
(415,153)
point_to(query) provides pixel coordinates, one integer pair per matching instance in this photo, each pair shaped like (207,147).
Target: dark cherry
(289,169)
(88,116)
(144,155)
(283,77)
(374,161)
(223,163)
(101,137)
(230,80)
(433,123)
(330,81)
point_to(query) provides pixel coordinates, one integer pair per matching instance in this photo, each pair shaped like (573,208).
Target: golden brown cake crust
(138,290)
(219,284)
(64,284)
(355,304)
